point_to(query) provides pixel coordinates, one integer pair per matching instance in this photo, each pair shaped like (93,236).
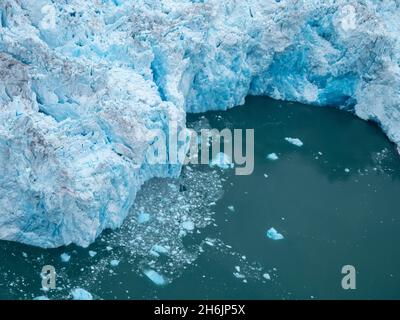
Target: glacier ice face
(83,82)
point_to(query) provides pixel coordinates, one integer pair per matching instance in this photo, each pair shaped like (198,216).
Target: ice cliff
(83,82)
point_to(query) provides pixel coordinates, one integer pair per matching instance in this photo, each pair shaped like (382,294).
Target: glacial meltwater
(328,202)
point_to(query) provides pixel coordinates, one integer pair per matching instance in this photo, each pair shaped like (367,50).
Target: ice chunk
(222,160)
(81,294)
(41,298)
(65,257)
(274,235)
(295,141)
(188,225)
(272,156)
(114,263)
(143,217)
(231,208)
(154,276)
(160,249)
(239,275)
(347,170)
(92,253)
(266,276)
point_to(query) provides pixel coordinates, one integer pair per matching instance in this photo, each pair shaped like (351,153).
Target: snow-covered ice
(83,83)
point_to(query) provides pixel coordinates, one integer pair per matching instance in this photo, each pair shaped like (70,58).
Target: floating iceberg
(266,276)
(114,263)
(92,253)
(83,84)
(65,257)
(272,156)
(143,217)
(81,294)
(41,298)
(154,276)
(274,235)
(188,225)
(295,141)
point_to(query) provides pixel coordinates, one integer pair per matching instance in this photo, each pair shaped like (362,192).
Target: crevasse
(83,82)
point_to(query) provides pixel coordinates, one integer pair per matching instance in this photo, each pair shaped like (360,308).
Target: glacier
(83,83)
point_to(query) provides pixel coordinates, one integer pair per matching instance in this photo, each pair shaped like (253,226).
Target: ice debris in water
(158,244)
(81,294)
(272,156)
(222,160)
(347,170)
(41,298)
(154,276)
(273,234)
(231,208)
(138,242)
(65,257)
(295,141)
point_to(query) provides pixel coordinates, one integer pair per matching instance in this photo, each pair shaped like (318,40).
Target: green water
(329,216)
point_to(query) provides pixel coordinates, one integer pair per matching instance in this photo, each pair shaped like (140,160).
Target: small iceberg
(92,253)
(222,160)
(239,275)
(81,294)
(143,217)
(272,156)
(160,249)
(188,225)
(266,276)
(274,235)
(154,276)
(295,141)
(114,263)
(65,257)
